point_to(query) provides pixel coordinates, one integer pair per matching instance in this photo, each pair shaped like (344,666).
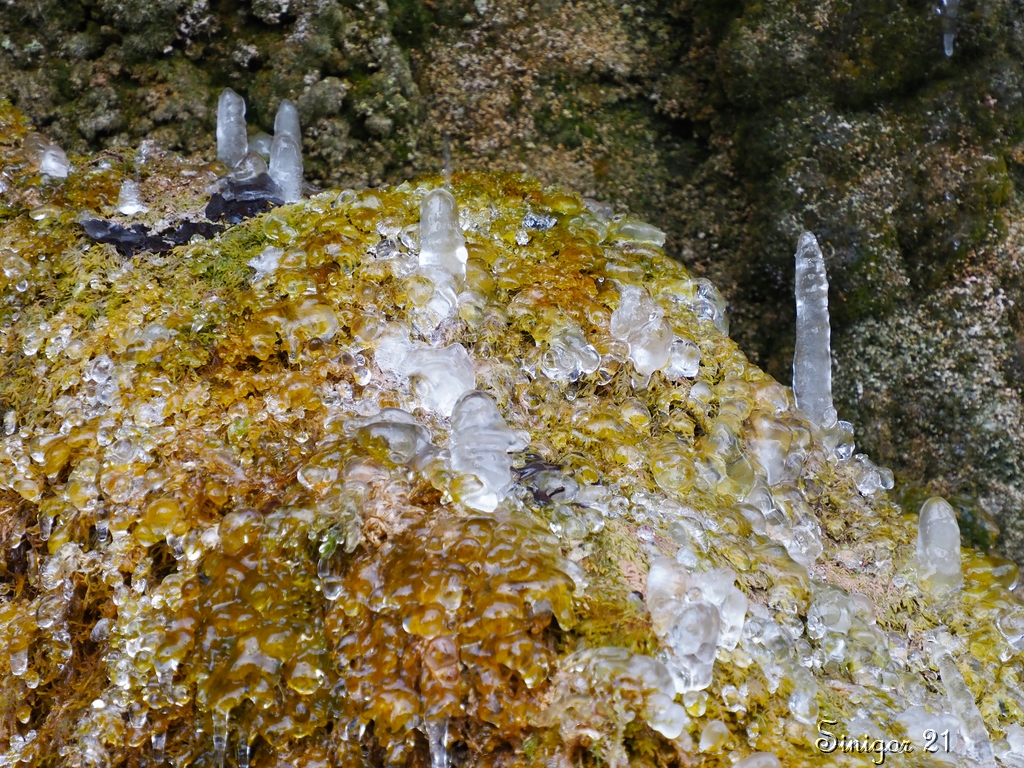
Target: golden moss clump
(240,524)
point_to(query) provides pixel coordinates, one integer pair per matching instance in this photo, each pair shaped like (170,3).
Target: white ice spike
(286,167)
(286,122)
(232,141)
(812,357)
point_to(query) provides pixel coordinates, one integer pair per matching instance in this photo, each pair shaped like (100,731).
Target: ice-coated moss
(237,529)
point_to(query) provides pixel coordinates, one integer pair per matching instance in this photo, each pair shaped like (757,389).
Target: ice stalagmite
(812,357)
(286,122)
(286,167)
(232,143)
(939,570)
(441,241)
(443,255)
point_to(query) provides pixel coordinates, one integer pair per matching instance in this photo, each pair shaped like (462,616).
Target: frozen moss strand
(812,357)
(232,143)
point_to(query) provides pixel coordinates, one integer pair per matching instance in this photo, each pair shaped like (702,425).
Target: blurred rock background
(732,124)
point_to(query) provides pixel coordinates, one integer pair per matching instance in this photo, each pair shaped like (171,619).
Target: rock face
(242,524)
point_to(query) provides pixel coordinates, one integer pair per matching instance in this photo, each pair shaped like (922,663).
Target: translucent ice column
(232,142)
(286,122)
(441,242)
(286,167)
(938,548)
(812,357)
(479,446)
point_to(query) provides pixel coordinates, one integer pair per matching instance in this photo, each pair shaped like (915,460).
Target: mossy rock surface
(219,546)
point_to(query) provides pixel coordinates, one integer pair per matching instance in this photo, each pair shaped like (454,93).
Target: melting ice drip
(812,357)
(245,162)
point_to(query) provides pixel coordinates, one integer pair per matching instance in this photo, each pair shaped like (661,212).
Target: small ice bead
(129,199)
(54,162)
(286,122)
(759,760)
(232,142)
(441,241)
(713,736)
(286,167)
(249,167)
(260,144)
(938,548)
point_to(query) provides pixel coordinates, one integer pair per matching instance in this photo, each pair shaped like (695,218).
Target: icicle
(961,699)
(286,167)
(242,755)
(159,740)
(441,241)
(812,357)
(437,735)
(232,144)
(286,122)
(220,737)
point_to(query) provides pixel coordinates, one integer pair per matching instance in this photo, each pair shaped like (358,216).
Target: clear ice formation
(600,690)
(442,245)
(286,122)
(232,140)
(48,156)
(443,255)
(641,323)
(260,144)
(812,356)
(569,355)
(129,199)
(759,760)
(694,614)
(978,744)
(439,377)
(479,445)
(250,167)
(939,570)
(54,162)
(286,167)
(948,11)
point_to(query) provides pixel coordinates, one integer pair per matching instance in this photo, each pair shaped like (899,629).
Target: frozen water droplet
(129,199)
(54,162)
(19,662)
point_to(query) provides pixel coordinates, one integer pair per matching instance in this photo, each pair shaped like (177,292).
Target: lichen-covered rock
(233,529)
